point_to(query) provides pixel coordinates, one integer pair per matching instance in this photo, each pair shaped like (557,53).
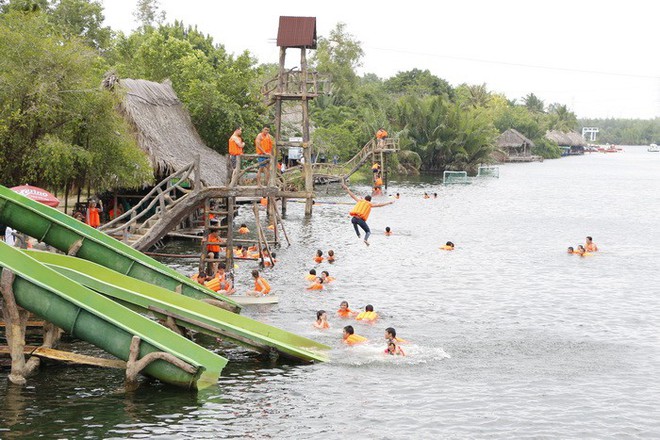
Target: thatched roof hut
(571,139)
(514,143)
(164,130)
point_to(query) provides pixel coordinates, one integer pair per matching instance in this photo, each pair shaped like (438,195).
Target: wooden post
(15,323)
(307,147)
(229,243)
(198,173)
(66,197)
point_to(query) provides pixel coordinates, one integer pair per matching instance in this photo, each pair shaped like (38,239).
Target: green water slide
(187,312)
(104,323)
(68,234)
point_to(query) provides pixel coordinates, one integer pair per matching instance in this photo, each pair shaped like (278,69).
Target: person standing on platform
(236,145)
(264,145)
(381,135)
(93,218)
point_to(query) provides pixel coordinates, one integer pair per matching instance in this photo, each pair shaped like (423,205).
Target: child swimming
(349,337)
(449,246)
(321,320)
(344,311)
(331,256)
(261,286)
(368,315)
(319,256)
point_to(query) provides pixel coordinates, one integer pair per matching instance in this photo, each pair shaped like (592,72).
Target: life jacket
(367,316)
(213,284)
(234,148)
(213,247)
(587,254)
(381,134)
(379,182)
(375,166)
(328,280)
(93,219)
(114,212)
(257,286)
(267,144)
(315,287)
(354,339)
(243,230)
(264,201)
(345,313)
(271,227)
(362,209)
(318,259)
(310,277)
(444,247)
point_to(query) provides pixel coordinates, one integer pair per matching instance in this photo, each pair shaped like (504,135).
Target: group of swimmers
(585,250)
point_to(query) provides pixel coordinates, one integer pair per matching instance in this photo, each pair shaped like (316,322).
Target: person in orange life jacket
(331,256)
(243,229)
(201,277)
(267,262)
(368,315)
(390,335)
(376,191)
(236,145)
(381,135)
(326,277)
(350,338)
(225,282)
(344,311)
(321,320)
(317,284)
(360,213)
(264,145)
(319,256)
(571,250)
(261,286)
(311,276)
(93,218)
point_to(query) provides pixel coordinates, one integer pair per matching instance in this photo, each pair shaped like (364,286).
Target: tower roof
(297,32)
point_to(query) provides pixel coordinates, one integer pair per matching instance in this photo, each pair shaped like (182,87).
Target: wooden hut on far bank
(164,130)
(513,146)
(571,143)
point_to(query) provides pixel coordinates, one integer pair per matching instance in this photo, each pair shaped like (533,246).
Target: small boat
(653,148)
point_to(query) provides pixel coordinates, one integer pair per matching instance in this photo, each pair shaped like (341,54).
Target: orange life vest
(444,247)
(266,144)
(362,209)
(310,277)
(93,218)
(318,259)
(379,182)
(264,201)
(257,286)
(243,230)
(315,287)
(355,339)
(345,313)
(381,134)
(213,247)
(234,148)
(366,316)
(213,284)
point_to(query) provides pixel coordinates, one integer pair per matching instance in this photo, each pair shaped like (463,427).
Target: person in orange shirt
(236,145)
(319,256)
(381,135)
(360,213)
(325,275)
(93,217)
(350,338)
(344,311)
(321,320)
(243,229)
(311,276)
(261,286)
(264,145)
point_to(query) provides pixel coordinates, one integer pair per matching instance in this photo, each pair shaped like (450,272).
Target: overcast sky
(599,58)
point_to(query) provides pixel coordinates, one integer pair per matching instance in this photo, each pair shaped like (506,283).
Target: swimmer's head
(348,330)
(390,333)
(369,308)
(449,243)
(319,252)
(319,314)
(387,229)
(570,249)
(343,305)
(312,272)
(367,198)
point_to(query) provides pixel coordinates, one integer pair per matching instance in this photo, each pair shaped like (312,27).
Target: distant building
(571,143)
(513,146)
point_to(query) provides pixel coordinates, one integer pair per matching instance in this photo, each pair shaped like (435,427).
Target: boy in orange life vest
(381,134)
(360,213)
(261,286)
(264,145)
(351,338)
(236,145)
(93,218)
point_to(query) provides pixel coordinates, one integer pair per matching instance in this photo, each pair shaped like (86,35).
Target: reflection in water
(508,335)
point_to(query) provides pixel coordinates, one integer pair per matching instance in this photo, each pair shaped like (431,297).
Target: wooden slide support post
(262,237)
(16,321)
(134,366)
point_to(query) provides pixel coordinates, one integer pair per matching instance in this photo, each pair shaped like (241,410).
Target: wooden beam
(67,356)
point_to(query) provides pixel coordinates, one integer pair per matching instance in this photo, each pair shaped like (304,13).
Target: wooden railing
(160,197)
(295,84)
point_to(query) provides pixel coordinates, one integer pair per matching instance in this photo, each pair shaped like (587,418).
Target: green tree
(56,126)
(533,103)
(83,19)
(419,82)
(561,118)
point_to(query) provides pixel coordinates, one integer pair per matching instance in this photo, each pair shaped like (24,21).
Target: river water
(508,335)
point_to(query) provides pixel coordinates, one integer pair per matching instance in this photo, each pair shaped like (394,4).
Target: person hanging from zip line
(360,212)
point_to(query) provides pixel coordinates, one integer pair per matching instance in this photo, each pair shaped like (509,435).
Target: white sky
(600,58)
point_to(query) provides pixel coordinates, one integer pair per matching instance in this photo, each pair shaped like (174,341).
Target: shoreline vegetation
(59,128)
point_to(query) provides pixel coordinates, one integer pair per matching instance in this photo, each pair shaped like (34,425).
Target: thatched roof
(512,138)
(164,130)
(572,139)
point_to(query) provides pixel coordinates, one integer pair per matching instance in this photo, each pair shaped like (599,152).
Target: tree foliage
(56,126)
